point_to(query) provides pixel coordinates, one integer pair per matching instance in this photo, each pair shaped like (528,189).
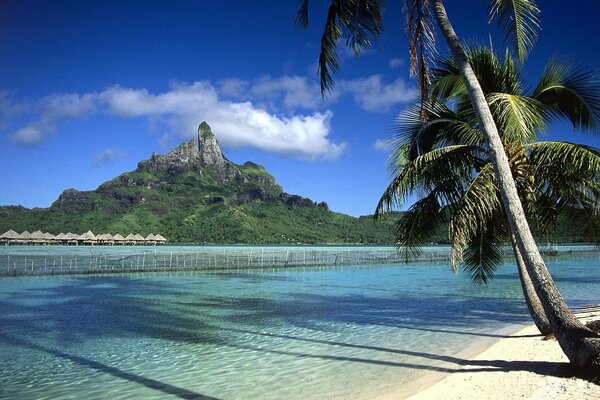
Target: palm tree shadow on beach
(113,308)
(116,372)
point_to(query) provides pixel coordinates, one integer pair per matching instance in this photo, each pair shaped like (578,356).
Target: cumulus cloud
(284,115)
(68,105)
(396,63)
(372,94)
(32,134)
(107,155)
(236,124)
(383,145)
(51,108)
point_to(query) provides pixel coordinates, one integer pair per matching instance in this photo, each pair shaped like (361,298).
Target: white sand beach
(521,366)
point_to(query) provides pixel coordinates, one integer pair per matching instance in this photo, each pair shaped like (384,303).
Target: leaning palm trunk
(579,344)
(538,315)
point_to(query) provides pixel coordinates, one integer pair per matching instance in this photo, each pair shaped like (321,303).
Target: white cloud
(52,108)
(383,145)
(68,104)
(396,63)
(107,155)
(372,94)
(234,87)
(262,113)
(33,133)
(236,124)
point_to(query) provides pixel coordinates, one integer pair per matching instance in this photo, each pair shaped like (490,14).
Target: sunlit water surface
(332,333)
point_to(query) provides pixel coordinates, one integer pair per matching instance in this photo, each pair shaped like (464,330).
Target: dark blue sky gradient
(51,48)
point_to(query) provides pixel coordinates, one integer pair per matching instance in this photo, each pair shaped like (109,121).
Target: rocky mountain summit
(197,160)
(194,194)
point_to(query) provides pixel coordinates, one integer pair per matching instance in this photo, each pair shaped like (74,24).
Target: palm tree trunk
(534,305)
(579,344)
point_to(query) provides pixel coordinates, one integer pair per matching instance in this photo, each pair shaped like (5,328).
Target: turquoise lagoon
(296,333)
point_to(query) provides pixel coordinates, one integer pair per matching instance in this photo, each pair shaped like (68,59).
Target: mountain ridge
(194,194)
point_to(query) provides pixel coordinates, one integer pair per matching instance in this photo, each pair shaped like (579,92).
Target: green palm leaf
(443,170)
(570,92)
(423,219)
(472,213)
(520,20)
(357,20)
(518,118)
(483,255)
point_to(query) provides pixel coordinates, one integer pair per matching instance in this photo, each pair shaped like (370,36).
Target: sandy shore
(521,366)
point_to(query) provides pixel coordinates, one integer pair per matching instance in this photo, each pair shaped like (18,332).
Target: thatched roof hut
(24,237)
(160,238)
(61,238)
(106,238)
(37,237)
(87,238)
(50,238)
(71,237)
(139,239)
(118,238)
(9,236)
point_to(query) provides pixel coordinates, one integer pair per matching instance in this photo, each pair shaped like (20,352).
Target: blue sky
(90,88)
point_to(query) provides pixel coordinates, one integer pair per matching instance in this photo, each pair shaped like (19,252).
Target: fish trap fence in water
(38,263)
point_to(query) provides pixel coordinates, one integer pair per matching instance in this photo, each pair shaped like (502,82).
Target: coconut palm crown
(441,156)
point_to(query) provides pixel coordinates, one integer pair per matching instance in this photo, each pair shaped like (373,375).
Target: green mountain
(195,195)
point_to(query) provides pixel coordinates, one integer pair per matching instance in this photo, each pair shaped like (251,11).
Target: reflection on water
(297,334)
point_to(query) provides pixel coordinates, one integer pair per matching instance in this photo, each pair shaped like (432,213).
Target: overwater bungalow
(37,237)
(9,237)
(71,238)
(130,239)
(87,238)
(61,238)
(118,239)
(139,239)
(50,238)
(106,238)
(24,237)
(151,239)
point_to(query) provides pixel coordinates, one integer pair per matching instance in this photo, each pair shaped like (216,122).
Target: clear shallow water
(296,334)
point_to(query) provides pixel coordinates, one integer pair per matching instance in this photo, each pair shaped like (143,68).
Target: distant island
(194,194)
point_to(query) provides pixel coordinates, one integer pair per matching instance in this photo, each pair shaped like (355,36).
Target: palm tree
(472,207)
(360,19)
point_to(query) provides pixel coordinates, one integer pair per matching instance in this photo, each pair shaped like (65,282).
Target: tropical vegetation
(440,154)
(359,20)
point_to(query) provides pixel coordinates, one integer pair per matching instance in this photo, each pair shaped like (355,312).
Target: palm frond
(566,156)
(483,256)
(418,224)
(359,20)
(472,213)
(570,92)
(419,33)
(362,19)
(520,20)
(441,170)
(518,118)
(418,133)
(328,58)
(302,15)
(567,180)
